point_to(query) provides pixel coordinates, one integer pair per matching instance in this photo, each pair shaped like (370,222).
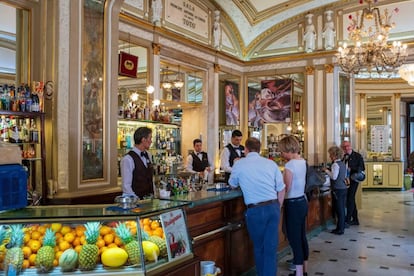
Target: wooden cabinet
(383,175)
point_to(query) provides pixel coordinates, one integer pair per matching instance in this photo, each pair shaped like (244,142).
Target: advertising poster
(176,234)
(231,93)
(272,104)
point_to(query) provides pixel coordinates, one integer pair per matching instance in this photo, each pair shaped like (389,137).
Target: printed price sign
(176,235)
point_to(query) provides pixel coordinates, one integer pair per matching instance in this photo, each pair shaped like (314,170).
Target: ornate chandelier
(407,73)
(371,51)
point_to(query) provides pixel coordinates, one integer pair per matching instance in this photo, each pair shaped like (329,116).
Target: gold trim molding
(309,70)
(329,68)
(156,48)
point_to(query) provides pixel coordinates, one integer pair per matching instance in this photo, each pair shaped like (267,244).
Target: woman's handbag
(314,179)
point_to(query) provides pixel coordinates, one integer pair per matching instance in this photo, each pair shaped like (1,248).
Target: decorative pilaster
(156,48)
(309,70)
(329,68)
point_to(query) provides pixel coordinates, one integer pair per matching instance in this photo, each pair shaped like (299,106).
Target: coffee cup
(207,267)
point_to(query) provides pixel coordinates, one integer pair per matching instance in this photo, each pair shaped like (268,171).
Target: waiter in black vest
(198,161)
(136,166)
(231,153)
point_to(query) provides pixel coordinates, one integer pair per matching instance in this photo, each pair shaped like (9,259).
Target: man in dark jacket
(356,168)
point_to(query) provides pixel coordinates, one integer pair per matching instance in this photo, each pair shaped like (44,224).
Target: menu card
(380,138)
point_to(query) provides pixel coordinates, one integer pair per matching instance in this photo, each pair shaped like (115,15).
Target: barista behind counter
(199,161)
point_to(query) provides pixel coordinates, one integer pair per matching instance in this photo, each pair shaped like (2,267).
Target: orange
(36,235)
(58,235)
(69,237)
(80,229)
(27,251)
(105,229)
(26,238)
(155,224)
(78,248)
(63,245)
(83,239)
(76,241)
(100,243)
(34,245)
(32,259)
(118,241)
(108,238)
(26,264)
(158,232)
(55,262)
(146,221)
(112,245)
(42,229)
(147,228)
(58,254)
(65,229)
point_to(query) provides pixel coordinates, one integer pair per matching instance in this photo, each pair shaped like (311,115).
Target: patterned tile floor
(383,244)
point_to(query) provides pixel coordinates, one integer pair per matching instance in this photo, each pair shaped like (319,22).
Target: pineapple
(14,257)
(90,251)
(46,254)
(160,242)
(3,236)
(131,244)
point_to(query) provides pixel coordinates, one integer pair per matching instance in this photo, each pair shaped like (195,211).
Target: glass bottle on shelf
(34,132)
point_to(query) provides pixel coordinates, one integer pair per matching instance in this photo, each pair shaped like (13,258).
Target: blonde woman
(295,203)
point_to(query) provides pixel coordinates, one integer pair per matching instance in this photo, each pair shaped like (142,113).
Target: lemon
(151,250)
(114,257)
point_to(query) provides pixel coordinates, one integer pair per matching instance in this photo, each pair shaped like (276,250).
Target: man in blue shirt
(263,190)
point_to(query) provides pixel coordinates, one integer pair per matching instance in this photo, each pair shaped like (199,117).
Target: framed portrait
(231,99)
(272,104)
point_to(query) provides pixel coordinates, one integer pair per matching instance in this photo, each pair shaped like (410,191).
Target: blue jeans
(295,213)
(338,204)
(263,227)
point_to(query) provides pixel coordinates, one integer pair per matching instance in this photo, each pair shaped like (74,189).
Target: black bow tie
(145,154)
(237,148)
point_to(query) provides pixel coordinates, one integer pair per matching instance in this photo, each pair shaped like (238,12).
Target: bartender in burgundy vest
(136,166)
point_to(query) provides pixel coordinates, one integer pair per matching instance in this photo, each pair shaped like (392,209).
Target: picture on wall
(272,104)
(231,93)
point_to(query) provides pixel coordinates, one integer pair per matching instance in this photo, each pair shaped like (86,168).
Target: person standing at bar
(337,174)
(261,183)
(198,161)
(231,153)
(356,169)
(296,204)
(136,166)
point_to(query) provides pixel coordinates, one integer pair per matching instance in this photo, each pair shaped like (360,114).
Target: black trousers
(351,209)
(338,205)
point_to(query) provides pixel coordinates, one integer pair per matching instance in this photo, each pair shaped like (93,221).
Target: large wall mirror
(14,45)
(275,108)
(379,132)
(132,90)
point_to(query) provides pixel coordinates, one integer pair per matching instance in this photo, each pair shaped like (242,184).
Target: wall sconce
(360,125)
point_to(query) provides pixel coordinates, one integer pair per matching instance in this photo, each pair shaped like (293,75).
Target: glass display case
(144,240)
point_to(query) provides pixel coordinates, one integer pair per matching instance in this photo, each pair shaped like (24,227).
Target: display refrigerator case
(158,229)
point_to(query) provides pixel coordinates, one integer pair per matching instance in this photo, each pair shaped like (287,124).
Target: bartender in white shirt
(198,161)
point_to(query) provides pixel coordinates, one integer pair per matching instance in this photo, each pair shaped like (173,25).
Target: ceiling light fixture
(371,50)
(178,83)
(166,83)
(407,73)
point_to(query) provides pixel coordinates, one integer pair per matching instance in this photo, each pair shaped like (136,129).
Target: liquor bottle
(34,132)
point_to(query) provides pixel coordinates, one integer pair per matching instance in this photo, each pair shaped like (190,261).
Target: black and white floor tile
(383,243)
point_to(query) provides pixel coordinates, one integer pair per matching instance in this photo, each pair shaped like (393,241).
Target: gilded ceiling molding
(254,17)
(156,48)
(217,68)
(233,29)
(309,70)
(329,68)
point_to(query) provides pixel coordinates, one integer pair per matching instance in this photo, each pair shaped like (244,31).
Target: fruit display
(60,247)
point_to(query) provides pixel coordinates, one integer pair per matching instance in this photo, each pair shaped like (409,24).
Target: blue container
(13,187)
